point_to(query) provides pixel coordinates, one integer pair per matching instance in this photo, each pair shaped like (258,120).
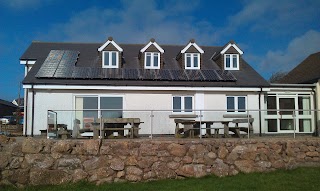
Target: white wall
(47,100)
(134,100)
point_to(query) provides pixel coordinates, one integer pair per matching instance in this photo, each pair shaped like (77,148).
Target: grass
(297,179)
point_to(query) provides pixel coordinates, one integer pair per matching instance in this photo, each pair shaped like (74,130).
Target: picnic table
(111,126)
(193,127)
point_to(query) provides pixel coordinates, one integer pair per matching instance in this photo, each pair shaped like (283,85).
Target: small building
(7,108)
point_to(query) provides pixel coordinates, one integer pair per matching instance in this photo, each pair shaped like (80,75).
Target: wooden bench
(117,125)
(239,119)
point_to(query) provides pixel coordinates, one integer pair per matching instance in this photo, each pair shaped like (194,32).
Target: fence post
(248,117)
(294,124)
(48,124)
(151,121)
(200,126)
(100,126)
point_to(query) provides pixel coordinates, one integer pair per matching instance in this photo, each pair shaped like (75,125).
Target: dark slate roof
(89,61)
(308,71)
(7,103)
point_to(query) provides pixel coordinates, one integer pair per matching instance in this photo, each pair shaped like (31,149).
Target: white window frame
(236,104)
(231,62)
(152,65)
(99,97)
(192,55)
(110,59)
(183,109)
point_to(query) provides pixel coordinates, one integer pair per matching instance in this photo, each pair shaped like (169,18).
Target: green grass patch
(297,179)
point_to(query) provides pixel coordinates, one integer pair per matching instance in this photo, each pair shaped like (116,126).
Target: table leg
(208,130)
(96,133)
(226,129)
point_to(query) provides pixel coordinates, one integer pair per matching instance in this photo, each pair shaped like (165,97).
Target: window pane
(287,104)
(90,103)
(106,58)
(230,104)
(188,104)
(304,105)
(195,60)
(286,124)
(227,61)
(188,60)
(148,59)
(111,103)
(304,125)
(114,58)
(272,125)
(271,104)
(176,104)
(241,104)
(155,60)
(235,61)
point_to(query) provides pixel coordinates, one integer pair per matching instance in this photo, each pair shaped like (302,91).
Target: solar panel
(211,75)
(165,75)
(226,75)
(50,65)
(148,74)
(130,74)
(58,64)
(179,75)
(194,75)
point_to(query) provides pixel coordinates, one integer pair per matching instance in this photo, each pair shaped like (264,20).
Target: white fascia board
(192,44)
(285,89)
(234,46)
(113,43)
(29,62)
(155,44)
(151,88)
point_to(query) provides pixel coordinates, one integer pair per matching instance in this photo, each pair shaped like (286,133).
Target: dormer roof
(152,42)
(229,45)
(192,43)
(110,40)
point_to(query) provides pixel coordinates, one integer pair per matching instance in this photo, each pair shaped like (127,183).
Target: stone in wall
(51,177)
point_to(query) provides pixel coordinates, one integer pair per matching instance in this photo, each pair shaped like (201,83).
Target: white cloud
(23,4)
(298,49)
(136,22)
(274,16)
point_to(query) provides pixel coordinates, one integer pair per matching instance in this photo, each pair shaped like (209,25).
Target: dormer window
(110,59)
(152,60)
(192,60)
(151,55)
(190,56)
(231,62)
(111,54)
(231,56)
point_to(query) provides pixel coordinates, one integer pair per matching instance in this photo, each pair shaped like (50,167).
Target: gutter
(32,120)
(293,85)
(260,122)
(26,113)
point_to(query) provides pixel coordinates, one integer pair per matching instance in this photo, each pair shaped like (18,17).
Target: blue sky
(275,35)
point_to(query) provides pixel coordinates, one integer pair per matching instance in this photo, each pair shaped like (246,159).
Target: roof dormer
(151,55)
(190,56)
(111,54)
(230,55)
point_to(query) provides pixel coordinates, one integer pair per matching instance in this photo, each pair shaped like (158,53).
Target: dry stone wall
(41,161)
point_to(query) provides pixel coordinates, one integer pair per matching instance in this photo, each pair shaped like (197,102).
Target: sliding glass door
(89,108)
